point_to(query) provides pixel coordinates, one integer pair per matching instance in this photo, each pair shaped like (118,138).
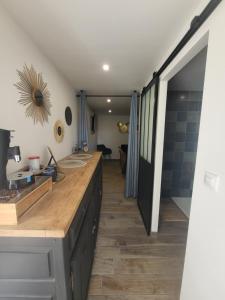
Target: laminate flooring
(129,265)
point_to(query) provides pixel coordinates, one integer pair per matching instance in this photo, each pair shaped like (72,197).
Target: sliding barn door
(148,115)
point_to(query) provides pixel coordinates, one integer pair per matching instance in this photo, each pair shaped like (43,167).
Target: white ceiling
(192,76)
(80,35)
(119,106)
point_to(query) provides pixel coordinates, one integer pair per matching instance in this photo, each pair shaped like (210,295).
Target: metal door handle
(93,229)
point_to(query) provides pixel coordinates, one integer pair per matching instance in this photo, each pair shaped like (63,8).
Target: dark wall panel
(180,145)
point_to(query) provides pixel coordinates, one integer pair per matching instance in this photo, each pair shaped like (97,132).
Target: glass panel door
(150,123)
(147,152)
(142,140)
(146,122)
(147,112)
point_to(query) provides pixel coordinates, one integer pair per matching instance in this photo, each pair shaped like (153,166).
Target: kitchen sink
(71,163)
(80,156)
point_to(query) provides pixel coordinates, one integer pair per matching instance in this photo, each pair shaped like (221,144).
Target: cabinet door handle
(93,229)
(72,280)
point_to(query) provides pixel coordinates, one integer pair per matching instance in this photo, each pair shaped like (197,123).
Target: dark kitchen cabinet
(82,259)
(54,268)
(81,264)
(83,256)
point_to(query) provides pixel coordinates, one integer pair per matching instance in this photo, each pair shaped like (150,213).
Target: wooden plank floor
(128,264)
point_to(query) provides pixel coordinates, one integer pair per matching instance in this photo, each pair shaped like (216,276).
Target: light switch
(212,180)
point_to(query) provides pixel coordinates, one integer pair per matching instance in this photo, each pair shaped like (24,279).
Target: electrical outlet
(212,180)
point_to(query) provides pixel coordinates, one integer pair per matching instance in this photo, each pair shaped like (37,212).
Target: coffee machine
(6,153)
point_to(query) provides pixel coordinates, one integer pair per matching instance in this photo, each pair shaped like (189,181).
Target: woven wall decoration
(59,131)
(34,94)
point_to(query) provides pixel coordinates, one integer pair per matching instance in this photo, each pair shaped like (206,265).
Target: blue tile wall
(180,143)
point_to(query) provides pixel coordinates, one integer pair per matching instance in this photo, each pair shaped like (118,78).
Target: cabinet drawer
(22,264)
(28,290)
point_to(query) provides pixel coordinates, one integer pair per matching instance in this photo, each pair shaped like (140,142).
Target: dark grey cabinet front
(81,264)
(83,256)
(49,268)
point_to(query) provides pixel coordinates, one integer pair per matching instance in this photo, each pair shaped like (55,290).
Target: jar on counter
(34,163)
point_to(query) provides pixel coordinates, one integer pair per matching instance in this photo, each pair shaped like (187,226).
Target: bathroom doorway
(183,113)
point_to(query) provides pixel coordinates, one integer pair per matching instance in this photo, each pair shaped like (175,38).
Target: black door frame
(145,168)
(196,23)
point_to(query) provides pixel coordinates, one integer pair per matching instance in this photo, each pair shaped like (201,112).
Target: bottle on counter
(34,163)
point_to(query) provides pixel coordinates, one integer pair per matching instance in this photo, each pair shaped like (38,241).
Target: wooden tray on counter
(11,209)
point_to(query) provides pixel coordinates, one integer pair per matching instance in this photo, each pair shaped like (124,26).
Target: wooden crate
(11,210)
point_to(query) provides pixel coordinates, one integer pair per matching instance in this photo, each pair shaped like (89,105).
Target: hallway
(129,265)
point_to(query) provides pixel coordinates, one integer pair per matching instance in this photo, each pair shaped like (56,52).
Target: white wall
(204,270)
(108,133)
(16,50)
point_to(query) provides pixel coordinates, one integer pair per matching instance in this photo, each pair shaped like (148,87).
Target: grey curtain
(132,155)
(83,121)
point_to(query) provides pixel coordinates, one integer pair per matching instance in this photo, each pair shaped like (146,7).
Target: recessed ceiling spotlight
(105,67)
(108,100)
(110,111)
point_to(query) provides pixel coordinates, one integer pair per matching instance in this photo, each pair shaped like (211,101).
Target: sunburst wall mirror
(123,127)
(34,94)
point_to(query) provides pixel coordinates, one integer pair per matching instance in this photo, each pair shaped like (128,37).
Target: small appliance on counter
(18,179)
(6,153)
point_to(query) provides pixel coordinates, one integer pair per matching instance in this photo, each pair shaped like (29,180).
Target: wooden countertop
(53,214)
